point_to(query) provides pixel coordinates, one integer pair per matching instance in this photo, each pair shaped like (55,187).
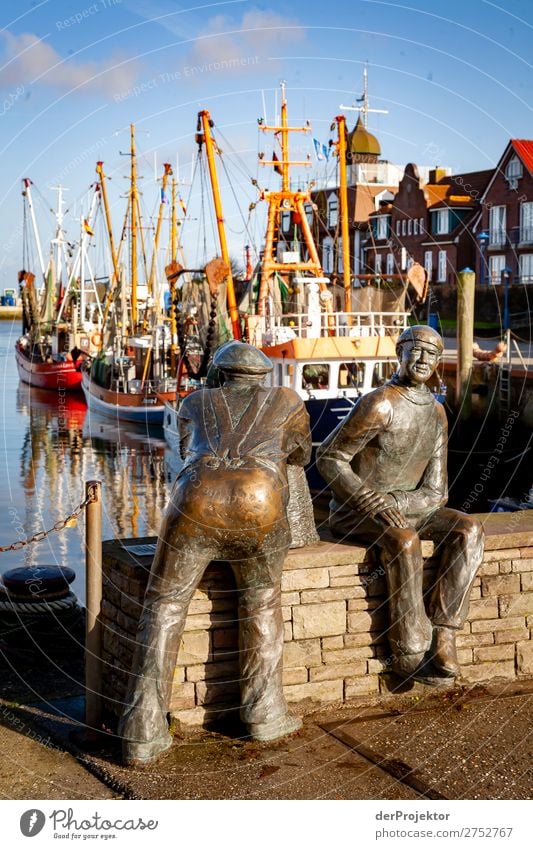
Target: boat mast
(167,173)
(133,235)
(340,120)
(285,199)
(26,182)
(172,280)
(205,123)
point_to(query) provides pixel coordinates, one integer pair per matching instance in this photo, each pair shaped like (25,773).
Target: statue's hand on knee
(381,506)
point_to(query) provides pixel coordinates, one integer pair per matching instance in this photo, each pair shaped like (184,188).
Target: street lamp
(483,239)
(506,276)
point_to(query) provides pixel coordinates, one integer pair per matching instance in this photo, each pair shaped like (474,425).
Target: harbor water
(51,445)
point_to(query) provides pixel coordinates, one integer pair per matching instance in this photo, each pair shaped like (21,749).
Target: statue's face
(419,359)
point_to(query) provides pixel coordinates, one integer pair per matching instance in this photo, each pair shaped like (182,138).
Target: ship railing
(304,326)
(152,387)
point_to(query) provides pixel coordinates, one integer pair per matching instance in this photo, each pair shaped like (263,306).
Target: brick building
(429,223)
(504,226)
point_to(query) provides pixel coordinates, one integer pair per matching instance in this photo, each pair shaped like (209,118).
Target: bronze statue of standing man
(229,502)
(386,466)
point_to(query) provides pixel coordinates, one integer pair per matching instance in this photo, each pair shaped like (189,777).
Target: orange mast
(285,199)
(205,123)
(340,120)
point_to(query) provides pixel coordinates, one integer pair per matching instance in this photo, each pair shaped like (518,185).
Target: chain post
(93,587)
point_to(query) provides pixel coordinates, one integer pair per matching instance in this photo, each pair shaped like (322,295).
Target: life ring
(96,339)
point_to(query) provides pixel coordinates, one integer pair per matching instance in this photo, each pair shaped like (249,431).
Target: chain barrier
(69,521)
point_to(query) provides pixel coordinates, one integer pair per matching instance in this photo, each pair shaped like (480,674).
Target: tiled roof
(524,149)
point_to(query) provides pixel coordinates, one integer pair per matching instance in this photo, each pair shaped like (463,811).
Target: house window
(377,263)
(497,225)
(421,226)
(382,230)
(428,263)
(340,258)
(415,227)
(526,269)
(398,225)
(285,221)
(327,255)
(409,228)
(496,266)
(526,222)
(390,263)
(333,211)
(442,222)
(309,213)
(403,259)
(410,262)
(404,224)
(513,172)
(441,276)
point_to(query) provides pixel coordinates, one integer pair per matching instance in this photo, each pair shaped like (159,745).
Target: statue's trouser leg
(460,538)
(261,636)
(176,572)
(401,556)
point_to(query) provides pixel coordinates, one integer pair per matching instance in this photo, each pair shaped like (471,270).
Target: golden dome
(361,142)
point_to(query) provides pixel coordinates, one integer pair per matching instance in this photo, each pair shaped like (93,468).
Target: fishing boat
(61,325)
(322,348)
(130,378)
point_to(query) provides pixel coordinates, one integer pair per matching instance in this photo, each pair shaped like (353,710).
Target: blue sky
(455,77)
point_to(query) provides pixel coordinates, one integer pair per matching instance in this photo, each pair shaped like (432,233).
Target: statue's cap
(424,333)
(241,358)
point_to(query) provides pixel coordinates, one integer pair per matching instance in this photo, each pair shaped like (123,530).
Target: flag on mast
(87,227)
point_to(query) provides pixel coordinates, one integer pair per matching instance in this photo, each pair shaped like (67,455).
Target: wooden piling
(93,589)
(466,285)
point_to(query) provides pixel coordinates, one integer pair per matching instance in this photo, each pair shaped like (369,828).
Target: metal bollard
(93,603)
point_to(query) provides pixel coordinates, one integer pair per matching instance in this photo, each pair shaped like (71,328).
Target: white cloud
(258,34)
(28,60)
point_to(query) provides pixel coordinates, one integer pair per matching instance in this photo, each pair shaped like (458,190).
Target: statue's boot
(141,754)
(276,728)
(444,652)
(406,665)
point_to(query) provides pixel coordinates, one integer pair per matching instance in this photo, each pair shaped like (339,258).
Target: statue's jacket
(394,441)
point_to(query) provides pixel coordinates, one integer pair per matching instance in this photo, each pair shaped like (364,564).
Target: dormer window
(382,228)
(333,211)
(441,222)
(513,172)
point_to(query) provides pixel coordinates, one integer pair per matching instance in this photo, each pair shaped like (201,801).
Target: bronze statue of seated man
(229,502)
(386,466)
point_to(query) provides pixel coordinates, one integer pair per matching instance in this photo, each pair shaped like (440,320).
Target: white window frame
(404,227)
(415,227)
(513,172)
(497,225)
(428,263)
(442,267)
(390,264)
(526,222)
(285,221)
(496,266)
(421,227)
(327,255)
(525,269)
(377,264)
(398,227)
(410,227)
(382,228)
(333,211)
(442,222)
(403,259)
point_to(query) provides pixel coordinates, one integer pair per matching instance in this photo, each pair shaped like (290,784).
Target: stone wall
(335,613)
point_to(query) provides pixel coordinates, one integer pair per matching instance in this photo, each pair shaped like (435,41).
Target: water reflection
(62,446)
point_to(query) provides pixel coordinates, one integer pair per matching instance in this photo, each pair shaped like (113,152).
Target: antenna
(365,107)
